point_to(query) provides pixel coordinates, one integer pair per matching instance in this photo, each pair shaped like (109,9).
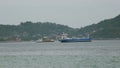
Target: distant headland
(26,31)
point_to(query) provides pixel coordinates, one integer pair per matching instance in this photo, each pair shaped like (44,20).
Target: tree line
(106,29)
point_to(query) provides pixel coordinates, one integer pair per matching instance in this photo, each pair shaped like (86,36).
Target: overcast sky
(74,13)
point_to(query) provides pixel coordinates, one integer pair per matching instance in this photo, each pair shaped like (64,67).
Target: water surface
(95,54)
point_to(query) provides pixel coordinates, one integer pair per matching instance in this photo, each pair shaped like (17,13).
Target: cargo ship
(64,38)
(76,40)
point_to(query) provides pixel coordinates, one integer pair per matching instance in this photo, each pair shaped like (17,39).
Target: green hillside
(106,29)
(32,31)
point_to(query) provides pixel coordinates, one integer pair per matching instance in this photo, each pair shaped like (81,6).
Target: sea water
(95,54)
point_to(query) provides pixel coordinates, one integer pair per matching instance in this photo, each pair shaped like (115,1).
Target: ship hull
(76,40)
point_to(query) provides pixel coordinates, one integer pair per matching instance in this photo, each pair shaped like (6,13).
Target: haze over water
(95,54)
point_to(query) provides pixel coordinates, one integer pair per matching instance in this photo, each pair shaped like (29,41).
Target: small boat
(64,38)
(49,40)
(45,39)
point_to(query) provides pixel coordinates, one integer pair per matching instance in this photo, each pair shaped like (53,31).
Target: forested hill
(106,29)
(32,31)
